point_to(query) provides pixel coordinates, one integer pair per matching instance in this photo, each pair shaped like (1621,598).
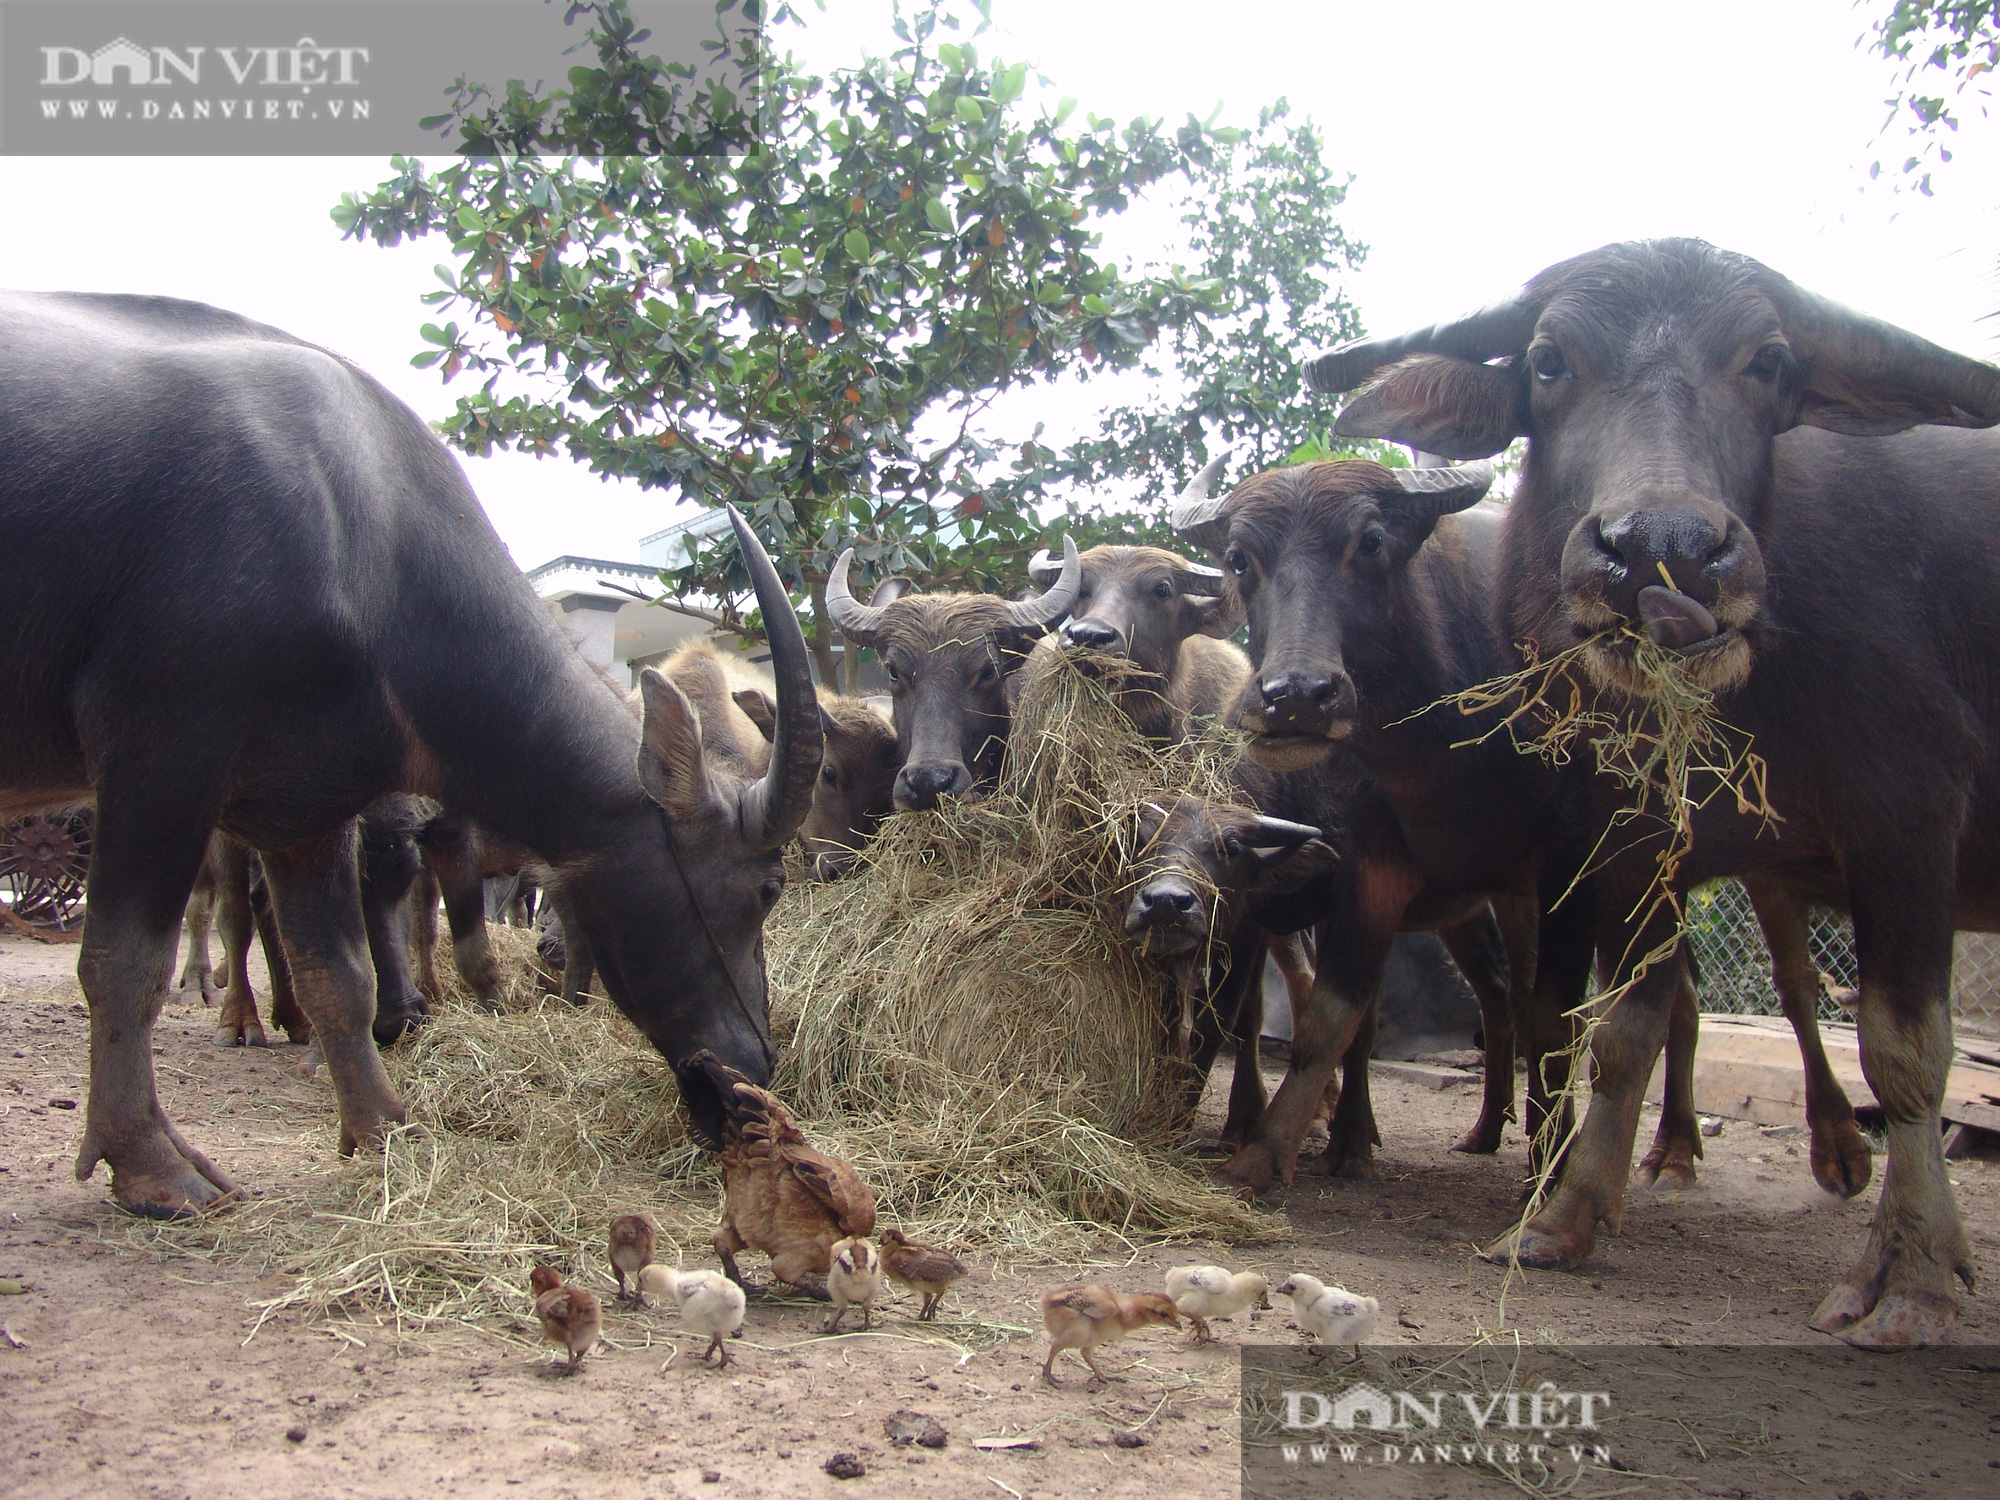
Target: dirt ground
(138,1375)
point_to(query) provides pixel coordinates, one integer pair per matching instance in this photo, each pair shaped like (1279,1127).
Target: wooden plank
(1748,1068)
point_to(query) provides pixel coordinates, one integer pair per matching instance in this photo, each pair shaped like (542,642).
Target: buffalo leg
(1347,976)
(195,923)
(1351,1136)
(1476,946)
(1841,1160)
(424,934)
(1677,1143)
(1623,1049)
(389,864)
(1241,1006)
(451,847)
(579,967)
(149,844)
(316,890)
(239,1024)
(285,1010)
(1900,1292)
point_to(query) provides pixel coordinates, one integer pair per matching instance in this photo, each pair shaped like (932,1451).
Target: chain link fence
(1736,968)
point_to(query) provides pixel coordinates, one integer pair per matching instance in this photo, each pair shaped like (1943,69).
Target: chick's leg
(1097,1369)
(1201,1334)
(718,1348)
(1049,1364)
(835,1314)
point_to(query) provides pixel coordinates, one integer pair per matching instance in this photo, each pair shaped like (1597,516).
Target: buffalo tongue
(1673,620)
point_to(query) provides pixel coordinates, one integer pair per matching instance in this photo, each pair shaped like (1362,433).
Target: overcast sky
(1486,140)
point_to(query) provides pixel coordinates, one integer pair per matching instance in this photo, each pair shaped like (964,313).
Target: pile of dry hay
(962,1020)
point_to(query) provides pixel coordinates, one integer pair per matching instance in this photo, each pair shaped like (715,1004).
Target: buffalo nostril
(1090,633)
(1181,901)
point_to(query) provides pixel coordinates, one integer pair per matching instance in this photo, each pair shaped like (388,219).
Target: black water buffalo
(1776,488)
(950,659)
(1367,594)
(249,590)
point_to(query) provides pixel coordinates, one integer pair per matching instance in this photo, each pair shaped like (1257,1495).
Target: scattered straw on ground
(962,1020)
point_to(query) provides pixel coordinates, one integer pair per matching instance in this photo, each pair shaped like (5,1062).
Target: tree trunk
(850,670)
(821,639)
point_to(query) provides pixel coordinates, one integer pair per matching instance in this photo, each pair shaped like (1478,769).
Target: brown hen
(780,1195)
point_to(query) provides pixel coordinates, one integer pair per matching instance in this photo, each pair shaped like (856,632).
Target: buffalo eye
(889,671)
(830,776)
(1232,847)
(1235,560)
(1371,541)
(769,892)
(1164,589)
(985,672)
(1768,363)
(1547,361)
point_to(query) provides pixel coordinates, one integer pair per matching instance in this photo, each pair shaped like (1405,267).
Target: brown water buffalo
(326,615)
(949,659)
(856,789)
(1782,491)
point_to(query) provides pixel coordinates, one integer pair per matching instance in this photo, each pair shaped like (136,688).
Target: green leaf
(468,218)
(939,215)
(969,110)
(856,244)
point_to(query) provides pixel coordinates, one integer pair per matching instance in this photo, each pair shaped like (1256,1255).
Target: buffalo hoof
(1841,1160)
(368,1128)
(240,1036)
(1252,1170)
(309,1065)
(1540,1249)
(1354,1162)
(170,1180)
(1668,1166)
(1906,1320)
(1482,1140)
(395,1023)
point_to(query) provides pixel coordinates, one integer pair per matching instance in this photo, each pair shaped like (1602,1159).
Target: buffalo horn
(773,808)
(1199,580)
(1824,332)
(1496,329)
(1194,508)
(857,621)
(1439,492)
(1056,601)
(1043,569)
(1275,833)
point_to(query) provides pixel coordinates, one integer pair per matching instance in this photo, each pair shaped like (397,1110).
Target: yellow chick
(854,1277)
(1331,1314)
(709,1303)
(1204,1292)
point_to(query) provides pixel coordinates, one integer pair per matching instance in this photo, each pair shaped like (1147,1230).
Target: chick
(855,1276)
(1330,1314)
(570,1315)
(779,1194)
(921,1268)
(1204,1292)
(631,1253)
(1083,1317)
(709,1303)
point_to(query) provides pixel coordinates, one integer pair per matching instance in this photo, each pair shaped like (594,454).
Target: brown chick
(922,1268)
(570,1315)
(631,1253)
(1084,1317)
(779,1194)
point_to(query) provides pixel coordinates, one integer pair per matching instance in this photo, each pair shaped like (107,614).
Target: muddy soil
(138,1375)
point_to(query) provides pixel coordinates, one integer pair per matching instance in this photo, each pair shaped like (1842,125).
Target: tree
(816,327)
(1936,41)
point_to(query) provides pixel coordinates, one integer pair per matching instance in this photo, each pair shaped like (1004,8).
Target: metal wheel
(43,862)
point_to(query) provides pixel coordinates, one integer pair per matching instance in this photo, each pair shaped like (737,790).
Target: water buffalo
(1367,590)
(857,777)
(949,659)
(250,590)
(1780,490)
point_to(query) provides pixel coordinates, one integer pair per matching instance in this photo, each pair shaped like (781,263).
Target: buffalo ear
(1218,615)
(1282,871)
(670,760)
(1440,404)
(1849,402)
(759,709)
(890,589)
